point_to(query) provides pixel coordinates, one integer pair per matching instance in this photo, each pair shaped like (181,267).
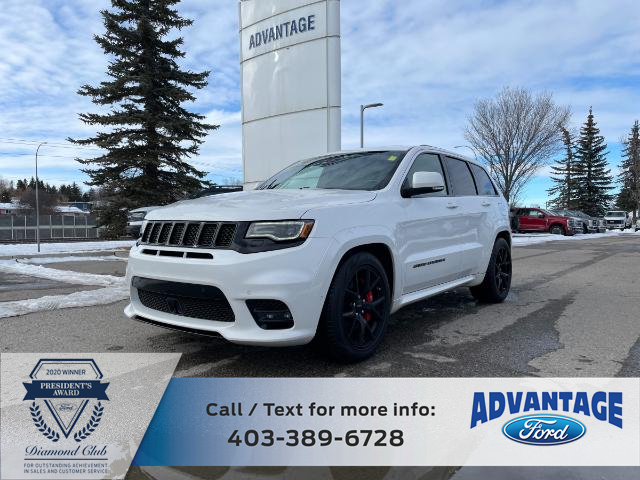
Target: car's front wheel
(357,309)
(557,230)
(497,281)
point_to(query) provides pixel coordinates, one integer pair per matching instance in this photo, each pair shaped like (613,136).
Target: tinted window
(425,162)
(347,171)
(460,177)
(485,186)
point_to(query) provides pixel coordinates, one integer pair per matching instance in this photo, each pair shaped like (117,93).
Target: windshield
(347,171)
(615,214)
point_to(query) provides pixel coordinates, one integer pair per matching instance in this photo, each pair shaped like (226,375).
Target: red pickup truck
(539,220)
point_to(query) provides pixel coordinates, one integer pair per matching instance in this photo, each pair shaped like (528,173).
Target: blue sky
(427,60)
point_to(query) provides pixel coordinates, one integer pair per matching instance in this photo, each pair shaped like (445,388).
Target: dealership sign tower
(290,67)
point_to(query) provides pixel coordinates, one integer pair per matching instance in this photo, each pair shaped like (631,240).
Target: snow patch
(524,239)
(46,260)
(76,278)
(76,247)
(90,298)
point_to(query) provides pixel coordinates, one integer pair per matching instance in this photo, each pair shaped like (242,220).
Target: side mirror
(424,182)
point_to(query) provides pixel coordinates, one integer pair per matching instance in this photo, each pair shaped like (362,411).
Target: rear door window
(483,182)
(462,183)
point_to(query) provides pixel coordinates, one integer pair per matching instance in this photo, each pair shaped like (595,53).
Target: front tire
(357,309)
(557,230)
(497,281)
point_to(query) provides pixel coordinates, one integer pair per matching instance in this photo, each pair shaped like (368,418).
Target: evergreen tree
(629,179)
(562,175)
(149,135)
(592,177)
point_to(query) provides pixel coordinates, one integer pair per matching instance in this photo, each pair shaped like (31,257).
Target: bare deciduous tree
(516,133)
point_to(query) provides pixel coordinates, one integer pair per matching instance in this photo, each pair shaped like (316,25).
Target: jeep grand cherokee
(327,248)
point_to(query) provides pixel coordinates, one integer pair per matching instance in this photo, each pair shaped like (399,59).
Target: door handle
(486,203)
(452,205)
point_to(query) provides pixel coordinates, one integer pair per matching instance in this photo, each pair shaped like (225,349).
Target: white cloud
(428,61)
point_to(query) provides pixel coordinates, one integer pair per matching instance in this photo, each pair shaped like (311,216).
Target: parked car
(617,219)
(586,223)
(327,248)
(595,225)
(217,190)
(135,219)
(539,220)
(580,225)
(637,226)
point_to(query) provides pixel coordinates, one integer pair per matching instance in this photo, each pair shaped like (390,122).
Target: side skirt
(431,291)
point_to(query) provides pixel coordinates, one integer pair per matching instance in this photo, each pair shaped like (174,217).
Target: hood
(258,205)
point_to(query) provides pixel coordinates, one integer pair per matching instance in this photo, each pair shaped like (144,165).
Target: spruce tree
(148,135)
(562,175)
(629,179)
(593,178)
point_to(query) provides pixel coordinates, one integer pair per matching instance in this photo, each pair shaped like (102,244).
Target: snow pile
(9,249)
(524,239)
(76,278)
(46,260)
(90,298)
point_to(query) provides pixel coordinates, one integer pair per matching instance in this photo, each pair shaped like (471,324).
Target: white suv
(327,248)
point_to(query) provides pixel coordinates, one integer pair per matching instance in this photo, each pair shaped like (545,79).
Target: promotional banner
(395,422)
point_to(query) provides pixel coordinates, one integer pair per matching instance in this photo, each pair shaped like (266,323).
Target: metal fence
(19,228)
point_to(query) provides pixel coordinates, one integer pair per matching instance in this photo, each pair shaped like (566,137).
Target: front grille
(225,237)
(176,234)
(186,300)
(207,234)
(189,234)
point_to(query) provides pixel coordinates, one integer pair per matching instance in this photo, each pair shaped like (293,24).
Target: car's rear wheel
(557,230)
(357,309)
(497,281)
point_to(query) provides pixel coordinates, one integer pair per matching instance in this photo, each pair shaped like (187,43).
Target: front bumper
(294,276)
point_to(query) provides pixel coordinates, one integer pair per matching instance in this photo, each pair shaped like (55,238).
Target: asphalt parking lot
(573,311)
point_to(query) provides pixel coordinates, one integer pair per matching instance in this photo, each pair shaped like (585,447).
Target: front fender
(353,237)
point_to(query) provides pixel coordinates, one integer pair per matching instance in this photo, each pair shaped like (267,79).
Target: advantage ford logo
(544,430)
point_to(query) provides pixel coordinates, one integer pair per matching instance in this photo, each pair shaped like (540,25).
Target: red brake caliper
(369,298)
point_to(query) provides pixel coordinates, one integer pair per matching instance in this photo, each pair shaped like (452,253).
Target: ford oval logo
(544,429)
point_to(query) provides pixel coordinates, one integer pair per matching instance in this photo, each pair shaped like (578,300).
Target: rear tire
(357,309)
(497,281)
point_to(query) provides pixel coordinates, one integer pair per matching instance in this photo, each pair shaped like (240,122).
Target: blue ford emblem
(544,429)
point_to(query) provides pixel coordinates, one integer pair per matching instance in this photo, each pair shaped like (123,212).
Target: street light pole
(362,109)
(37,200)
(470,148)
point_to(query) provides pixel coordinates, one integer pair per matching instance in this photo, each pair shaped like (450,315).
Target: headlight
(281,231)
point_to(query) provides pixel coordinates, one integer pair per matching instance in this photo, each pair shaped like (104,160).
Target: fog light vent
(270,314)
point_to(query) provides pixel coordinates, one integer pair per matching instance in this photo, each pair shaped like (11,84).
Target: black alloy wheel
(502,266)
(497,280)
(357,309)
(363,307)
